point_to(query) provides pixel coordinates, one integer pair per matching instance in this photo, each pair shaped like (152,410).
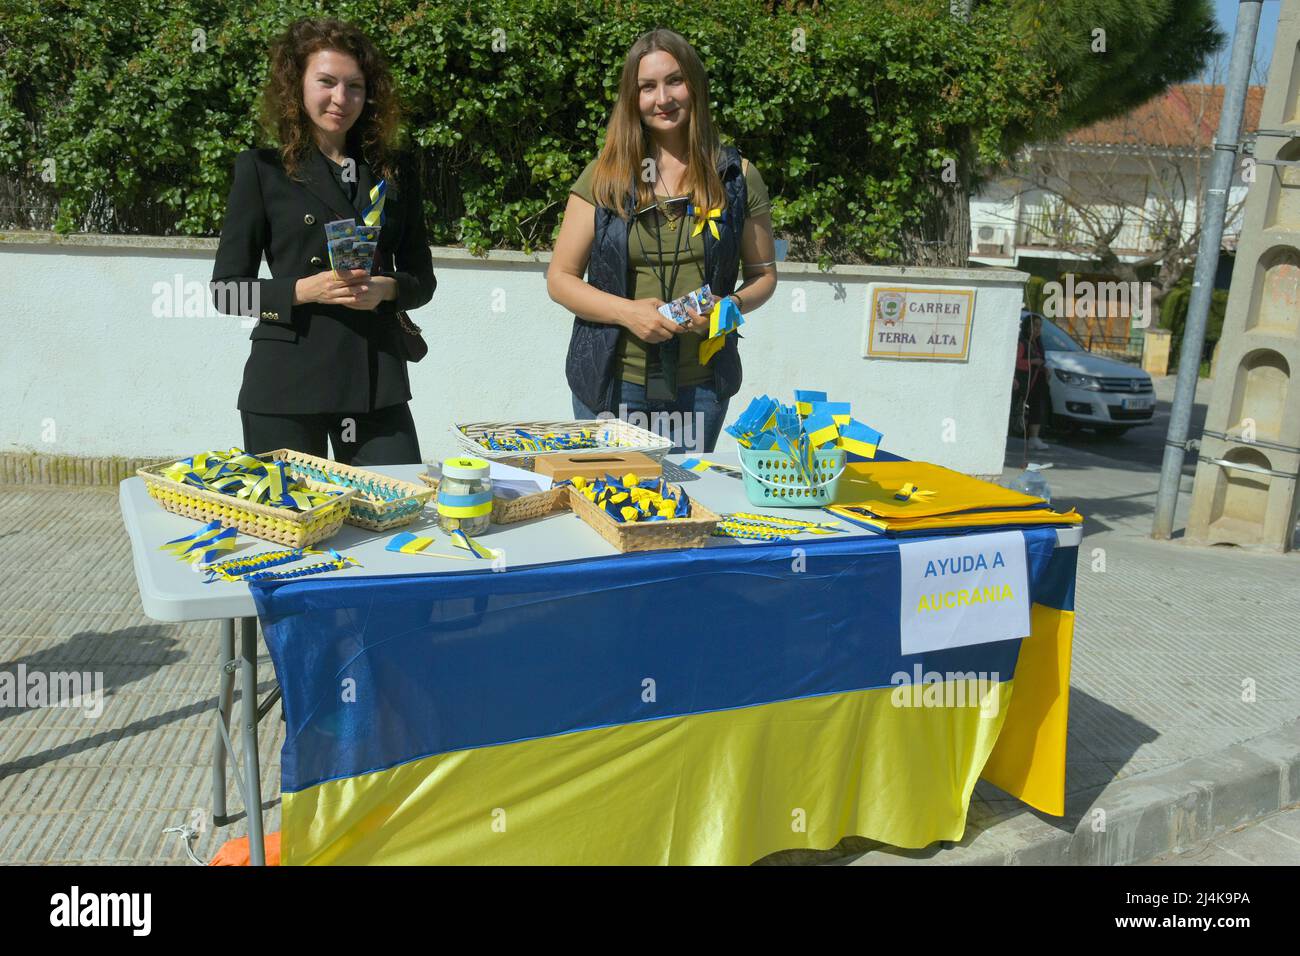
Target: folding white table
(172,590)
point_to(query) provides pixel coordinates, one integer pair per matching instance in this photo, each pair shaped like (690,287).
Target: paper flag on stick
(711,347)
(803,399)
(856,438)
(840,411)
(407,543)
(821,429)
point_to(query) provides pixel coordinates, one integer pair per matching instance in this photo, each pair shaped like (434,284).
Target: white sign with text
(971,589)
(918,322)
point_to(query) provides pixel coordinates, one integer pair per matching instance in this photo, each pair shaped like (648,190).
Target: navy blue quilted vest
(593,346)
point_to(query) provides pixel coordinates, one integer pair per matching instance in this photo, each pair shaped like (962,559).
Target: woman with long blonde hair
(663,210)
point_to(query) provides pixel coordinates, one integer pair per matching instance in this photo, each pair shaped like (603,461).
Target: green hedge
(848,134)
(1173,316)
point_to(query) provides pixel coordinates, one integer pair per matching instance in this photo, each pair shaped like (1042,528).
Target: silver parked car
(1093,391)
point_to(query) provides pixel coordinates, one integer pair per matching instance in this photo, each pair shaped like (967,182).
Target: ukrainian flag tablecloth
(698,706)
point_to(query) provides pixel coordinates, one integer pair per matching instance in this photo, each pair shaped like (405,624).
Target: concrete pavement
(1269,841)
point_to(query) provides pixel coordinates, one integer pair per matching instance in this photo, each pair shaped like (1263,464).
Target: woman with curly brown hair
(329,353)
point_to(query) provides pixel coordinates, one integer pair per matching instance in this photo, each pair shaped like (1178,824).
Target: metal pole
(225,704)
(1214,208)
(248,717)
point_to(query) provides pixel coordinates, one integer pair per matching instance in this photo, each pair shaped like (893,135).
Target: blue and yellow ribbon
(521,440)
(710,219)
(203,545)
(373,214)
(464,506)
(910,492)
(702,464)
(235,569)
(336,563)
(461,540)
(634,499)
(768,527)
(247,477)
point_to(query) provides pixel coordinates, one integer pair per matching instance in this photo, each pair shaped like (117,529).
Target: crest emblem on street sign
(889,306)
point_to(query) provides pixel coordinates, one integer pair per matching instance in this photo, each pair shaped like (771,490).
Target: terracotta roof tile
(1182,117)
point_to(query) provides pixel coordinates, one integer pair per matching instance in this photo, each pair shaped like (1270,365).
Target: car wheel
(1062,425)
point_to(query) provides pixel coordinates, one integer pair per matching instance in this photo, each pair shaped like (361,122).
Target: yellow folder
(873,484)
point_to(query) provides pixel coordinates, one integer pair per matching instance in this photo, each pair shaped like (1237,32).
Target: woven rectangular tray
(610,432)
(511,510)
(294,529)
(692,532)
(381,503)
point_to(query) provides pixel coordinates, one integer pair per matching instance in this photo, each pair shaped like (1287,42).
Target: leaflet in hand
(351,246)
(701,301)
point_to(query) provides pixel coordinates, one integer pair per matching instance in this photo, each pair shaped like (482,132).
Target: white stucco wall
(87,368)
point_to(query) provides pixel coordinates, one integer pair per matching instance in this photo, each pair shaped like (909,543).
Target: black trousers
(1038,399)
(385,436)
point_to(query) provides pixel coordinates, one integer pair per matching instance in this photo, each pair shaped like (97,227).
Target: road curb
(1133,819)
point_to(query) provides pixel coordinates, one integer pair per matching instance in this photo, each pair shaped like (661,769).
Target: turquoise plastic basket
(772,480)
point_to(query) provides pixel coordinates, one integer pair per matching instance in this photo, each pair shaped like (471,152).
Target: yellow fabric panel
(872,485)
(1028,761)
(724,787)
(979,520)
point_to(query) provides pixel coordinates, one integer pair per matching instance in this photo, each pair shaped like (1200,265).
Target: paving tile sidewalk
(1167,638)
(76,789)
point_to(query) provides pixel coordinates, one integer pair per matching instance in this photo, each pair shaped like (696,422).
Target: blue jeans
(692,422)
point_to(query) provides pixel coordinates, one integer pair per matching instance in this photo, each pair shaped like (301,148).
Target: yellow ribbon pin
(711,219)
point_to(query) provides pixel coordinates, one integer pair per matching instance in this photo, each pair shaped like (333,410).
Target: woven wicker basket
(692,532)
(381,503)
(294,529)
(508,511)
(609,432)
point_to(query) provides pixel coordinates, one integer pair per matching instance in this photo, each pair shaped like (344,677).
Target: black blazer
(312,357)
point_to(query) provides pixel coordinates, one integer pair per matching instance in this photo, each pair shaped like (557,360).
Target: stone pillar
(1155,351)
(1245,488)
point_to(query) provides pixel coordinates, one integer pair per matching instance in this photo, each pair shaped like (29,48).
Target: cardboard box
(597,465)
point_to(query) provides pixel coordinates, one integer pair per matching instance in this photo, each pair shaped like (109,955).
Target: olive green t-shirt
(650,244)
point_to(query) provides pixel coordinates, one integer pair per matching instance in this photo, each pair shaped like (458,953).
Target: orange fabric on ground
(235,852)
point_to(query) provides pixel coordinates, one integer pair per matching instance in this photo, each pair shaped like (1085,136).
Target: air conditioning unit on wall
(992,241)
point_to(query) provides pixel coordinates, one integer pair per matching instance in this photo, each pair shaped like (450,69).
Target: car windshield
(1056,339)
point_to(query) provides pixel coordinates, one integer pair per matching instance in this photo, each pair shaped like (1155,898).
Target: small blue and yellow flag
(407,543)
(803,399)
(822,429)
(858,439)
(840,411)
